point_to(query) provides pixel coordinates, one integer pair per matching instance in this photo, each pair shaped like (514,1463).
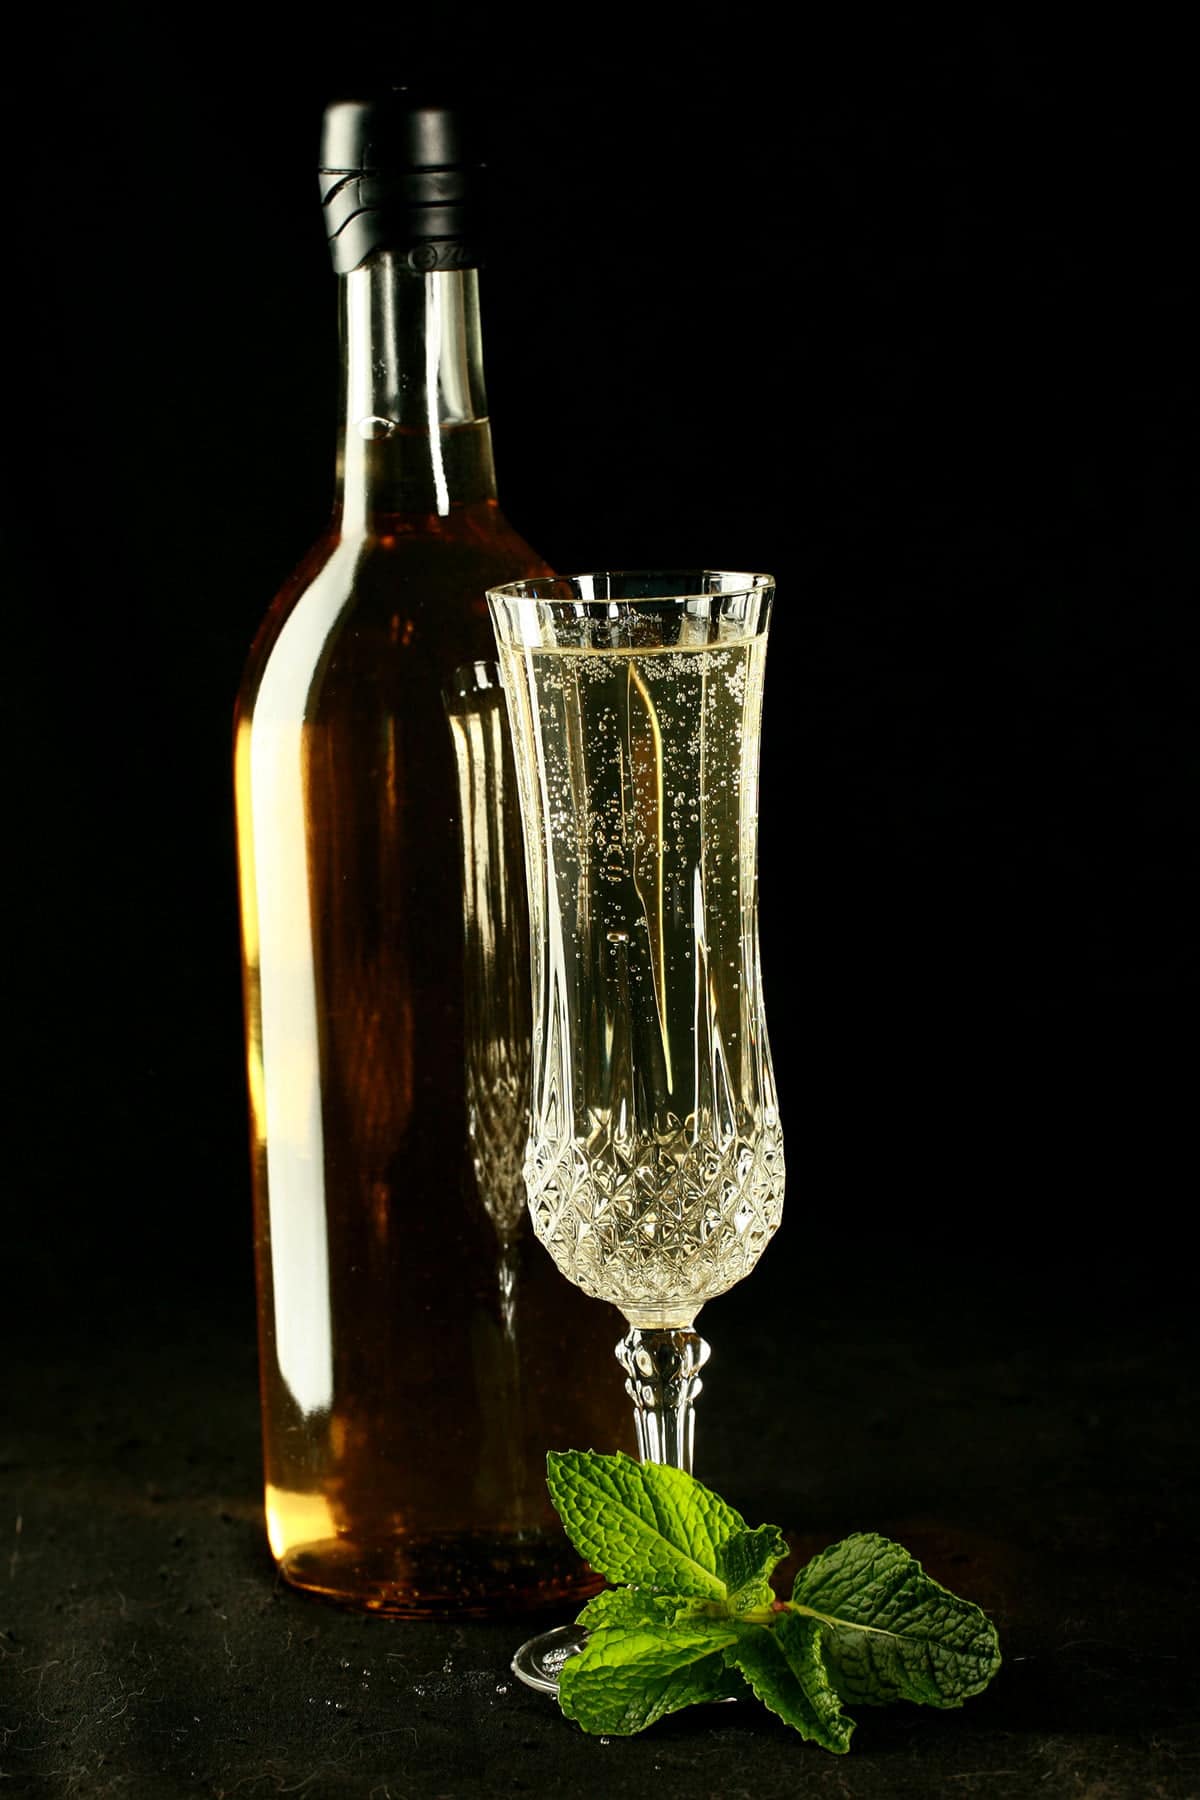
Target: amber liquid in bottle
(418,1359)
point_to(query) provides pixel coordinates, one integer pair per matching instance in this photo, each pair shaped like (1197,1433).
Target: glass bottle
(417,1360)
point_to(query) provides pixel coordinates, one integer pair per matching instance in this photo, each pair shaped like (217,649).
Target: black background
(904,316)
(900,316)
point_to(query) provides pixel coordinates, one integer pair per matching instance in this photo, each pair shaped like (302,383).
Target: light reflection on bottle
(285,1077)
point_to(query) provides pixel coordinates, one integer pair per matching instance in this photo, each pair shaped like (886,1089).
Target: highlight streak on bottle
(434,332)
(291,1067)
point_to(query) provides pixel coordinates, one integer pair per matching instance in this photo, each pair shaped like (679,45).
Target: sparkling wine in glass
(654,1170)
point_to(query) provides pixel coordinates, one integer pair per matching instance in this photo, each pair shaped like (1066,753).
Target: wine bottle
(419,1352)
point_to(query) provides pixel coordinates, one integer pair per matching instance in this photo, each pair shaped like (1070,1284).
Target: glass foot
(538,1661)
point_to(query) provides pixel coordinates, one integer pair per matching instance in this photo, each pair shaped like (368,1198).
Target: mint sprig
(696,1619)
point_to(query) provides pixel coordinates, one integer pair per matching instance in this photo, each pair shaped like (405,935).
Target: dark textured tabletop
(1037,1456)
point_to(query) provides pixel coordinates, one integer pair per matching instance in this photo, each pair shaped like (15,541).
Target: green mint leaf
(784,1667)
(626,1677)
(642,1522)
(890,1632)
(745,1560)
(699,1621)
(626,1606)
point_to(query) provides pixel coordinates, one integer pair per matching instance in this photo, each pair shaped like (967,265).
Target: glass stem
(662,1370)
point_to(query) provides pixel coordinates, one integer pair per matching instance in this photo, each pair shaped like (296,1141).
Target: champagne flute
(654,1170)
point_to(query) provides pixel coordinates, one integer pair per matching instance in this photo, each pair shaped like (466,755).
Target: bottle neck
(415,437)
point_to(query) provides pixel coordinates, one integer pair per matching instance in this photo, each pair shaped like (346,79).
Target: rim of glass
(670,585)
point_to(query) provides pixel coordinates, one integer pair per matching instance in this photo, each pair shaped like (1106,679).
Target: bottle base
(453,1576)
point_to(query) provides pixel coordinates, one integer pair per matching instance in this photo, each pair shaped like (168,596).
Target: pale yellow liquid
(655,1168)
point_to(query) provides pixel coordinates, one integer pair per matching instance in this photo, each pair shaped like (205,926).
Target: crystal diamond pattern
(642,1223)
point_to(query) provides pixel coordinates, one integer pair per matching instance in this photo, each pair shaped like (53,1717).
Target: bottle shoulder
(403,587)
